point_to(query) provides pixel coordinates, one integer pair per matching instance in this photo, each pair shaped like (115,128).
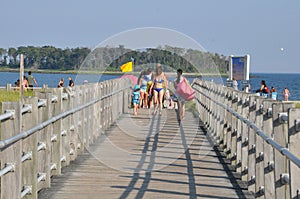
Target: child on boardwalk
(135,98)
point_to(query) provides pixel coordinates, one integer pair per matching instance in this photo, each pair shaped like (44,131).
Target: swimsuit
(158,89)
(158,81)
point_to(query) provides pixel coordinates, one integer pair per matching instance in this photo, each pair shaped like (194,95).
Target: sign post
(239,69)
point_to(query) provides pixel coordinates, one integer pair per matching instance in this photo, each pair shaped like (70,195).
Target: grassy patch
(297,104)
(13,96)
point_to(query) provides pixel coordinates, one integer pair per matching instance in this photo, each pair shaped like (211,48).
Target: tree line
(111,58)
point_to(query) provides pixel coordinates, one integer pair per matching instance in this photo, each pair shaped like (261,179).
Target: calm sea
(52,79)
(279,81)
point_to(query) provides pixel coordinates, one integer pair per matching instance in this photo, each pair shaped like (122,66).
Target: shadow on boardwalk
(147,157)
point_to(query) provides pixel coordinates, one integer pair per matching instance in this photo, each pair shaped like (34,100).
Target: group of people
(27,83)
(264,90)
(152,88)
(62,81)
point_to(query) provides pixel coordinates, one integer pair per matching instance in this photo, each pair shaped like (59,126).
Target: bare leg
(155,93)
(182,110)
(135,109)
(161,96)
(145,100)
(179,110)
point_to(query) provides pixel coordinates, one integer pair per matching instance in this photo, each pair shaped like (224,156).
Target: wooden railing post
(233,135)
(30,170)
(220,116)
(96,116)
(80,118)
(46,136)
(239,135)
(57,129)
(226,129)
(269,182)
(294,140)
(259,150)
(101,107)
(253,109)
(280,131)
(11,183)
(125,98)
(245,138)
(229,125)
(72,126)
(65,132)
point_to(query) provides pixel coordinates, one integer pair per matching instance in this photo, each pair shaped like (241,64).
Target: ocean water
(279,81)
(52,79)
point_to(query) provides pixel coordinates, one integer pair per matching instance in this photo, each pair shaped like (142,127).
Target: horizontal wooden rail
(42,134)
(260,137)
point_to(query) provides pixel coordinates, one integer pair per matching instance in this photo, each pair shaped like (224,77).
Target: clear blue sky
(238,27)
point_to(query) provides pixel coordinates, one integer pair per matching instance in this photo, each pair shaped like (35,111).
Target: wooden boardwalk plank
(146,157)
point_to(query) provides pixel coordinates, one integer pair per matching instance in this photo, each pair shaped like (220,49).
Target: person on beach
(135,98)
(263,88)
(60,83)
(71,82)
(25,83)
(17,85)
(180,100)
(158,86)
(273,93)
(31,80)
(144,79)
(70,86)
(286,94)
(235,84)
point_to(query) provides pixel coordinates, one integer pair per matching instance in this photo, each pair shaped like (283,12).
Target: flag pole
(132,60)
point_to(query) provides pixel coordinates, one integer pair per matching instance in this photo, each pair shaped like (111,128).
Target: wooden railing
(42,134)
(260,136)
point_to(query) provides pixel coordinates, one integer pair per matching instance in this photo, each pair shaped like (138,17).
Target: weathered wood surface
(149,157)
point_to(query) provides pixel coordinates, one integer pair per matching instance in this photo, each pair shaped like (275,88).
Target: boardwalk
(148,157)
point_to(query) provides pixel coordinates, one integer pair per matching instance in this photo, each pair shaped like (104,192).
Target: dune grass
(13,96)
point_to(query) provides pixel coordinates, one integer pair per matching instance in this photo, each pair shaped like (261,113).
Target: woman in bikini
(286,94)
(158,89)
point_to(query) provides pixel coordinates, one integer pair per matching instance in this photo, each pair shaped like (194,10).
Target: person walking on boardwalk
(144,79)
(31,80)
(181,100)
(286,94)
(135,98)
(158,85)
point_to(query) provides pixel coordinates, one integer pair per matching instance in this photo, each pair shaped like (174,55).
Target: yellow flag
(127,67)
